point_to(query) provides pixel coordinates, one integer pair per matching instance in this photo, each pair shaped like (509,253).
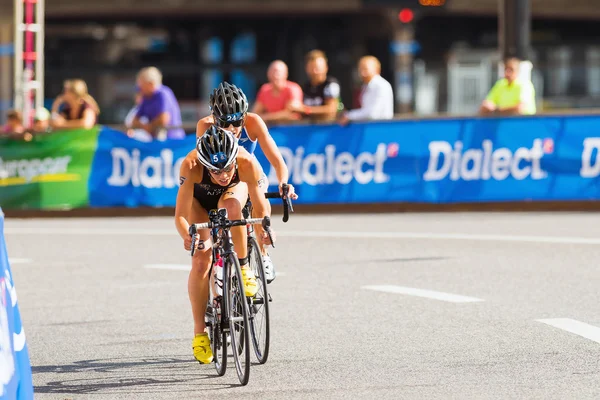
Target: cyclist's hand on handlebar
(291,191)
(198,243)
(187,243)
(263,236)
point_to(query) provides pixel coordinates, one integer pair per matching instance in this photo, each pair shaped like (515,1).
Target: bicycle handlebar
(265,222)
(287,203)
(194,228)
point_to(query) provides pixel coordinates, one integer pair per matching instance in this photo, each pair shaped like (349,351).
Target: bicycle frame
(223,245)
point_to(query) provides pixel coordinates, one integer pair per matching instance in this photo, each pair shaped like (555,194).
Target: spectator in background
(14,122)
(377,97)
(158,106)
(75,108)
(276,99)
(137,134)
(321,92)
(41,120)
(14,127)
(510,95)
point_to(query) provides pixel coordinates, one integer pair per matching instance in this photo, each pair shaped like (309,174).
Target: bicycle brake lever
(193,248)
(286,201)
(266,224)
(271,238)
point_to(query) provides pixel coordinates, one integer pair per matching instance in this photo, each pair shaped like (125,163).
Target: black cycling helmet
(217,148)
(228,102)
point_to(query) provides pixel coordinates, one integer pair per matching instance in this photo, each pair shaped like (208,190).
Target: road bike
(231,316)
(227,312)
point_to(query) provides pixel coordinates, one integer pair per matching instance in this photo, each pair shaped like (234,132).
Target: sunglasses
(222,171)
(234,120)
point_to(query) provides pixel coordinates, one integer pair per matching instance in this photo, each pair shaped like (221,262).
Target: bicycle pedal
(257,300)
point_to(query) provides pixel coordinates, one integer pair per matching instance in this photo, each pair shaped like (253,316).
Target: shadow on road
(129,375)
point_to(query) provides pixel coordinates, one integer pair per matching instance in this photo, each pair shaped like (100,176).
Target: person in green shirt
(510,95)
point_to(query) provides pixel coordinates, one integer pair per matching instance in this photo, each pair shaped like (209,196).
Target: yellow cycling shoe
(202,351)
(250,285)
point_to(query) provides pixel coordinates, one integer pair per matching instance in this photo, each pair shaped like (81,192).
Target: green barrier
(49,172)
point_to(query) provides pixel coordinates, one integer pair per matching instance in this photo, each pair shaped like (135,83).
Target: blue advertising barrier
(432,161)
(15,368)
(127,172)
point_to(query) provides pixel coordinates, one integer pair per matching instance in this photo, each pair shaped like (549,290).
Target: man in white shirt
(377,97)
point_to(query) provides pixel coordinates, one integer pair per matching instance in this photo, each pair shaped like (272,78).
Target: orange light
(405,16)
(432,3)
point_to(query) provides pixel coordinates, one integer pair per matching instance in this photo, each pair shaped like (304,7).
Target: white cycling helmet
(217,148)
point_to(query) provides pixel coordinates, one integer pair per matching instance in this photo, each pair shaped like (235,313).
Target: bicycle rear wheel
(238,319)
(259,305)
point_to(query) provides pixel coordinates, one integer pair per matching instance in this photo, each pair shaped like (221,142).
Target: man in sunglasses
(217,174)
(229,108)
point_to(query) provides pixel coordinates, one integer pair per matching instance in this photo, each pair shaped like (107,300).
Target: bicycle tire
(239,333)
(259,327)
(218,337)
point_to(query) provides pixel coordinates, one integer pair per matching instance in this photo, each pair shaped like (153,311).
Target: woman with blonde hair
(79,109)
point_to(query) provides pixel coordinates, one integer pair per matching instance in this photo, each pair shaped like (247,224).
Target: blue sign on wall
(434,161)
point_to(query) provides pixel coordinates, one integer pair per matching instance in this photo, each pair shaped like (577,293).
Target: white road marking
(573,326)
(172,267)
(147,285)
(321,234)
(94,232)
(13,261)
(430,294)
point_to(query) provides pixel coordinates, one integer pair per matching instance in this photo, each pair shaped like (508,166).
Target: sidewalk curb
(115,212)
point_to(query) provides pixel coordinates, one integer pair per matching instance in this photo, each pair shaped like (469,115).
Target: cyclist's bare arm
(250,172)
(188,174)
(203,125)
(258,130)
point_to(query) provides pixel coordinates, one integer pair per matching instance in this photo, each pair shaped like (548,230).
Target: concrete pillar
(514,34)
(402,48)
(514,28)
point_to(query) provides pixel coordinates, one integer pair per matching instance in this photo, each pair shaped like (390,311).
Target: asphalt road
(395,306)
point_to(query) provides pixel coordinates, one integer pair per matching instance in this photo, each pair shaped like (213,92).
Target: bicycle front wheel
(259,304)
(238,320)
(218,338)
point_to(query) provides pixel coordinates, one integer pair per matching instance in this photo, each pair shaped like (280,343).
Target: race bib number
(218,157)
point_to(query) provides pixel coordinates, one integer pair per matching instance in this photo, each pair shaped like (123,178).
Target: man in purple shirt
(159,108)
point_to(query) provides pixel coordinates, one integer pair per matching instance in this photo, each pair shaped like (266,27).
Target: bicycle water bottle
(218,277)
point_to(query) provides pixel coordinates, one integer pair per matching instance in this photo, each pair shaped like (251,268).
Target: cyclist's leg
(263,183)
(198,289)
(234,200)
